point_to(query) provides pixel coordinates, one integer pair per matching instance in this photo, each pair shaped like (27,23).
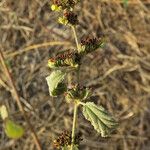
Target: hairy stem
(74,124)
(77,44)
(75,36)
(75,105)
(17,98)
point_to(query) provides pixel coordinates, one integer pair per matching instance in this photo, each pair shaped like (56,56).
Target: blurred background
(119,73)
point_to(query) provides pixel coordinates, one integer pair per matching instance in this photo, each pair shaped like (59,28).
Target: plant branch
(75,36)
(16,97)
(74,125)
(33,47)
(77,45)
(76,104)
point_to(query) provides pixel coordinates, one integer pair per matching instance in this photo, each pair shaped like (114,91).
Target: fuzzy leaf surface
(54,80)
(102,121)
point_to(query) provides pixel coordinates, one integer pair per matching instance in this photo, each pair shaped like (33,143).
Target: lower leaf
(13,130)
(102,121)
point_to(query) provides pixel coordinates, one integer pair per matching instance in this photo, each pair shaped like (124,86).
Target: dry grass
(120,73)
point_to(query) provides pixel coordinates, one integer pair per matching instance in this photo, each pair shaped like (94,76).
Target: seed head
(65,4)
(65,139)
(89,44)
(65,59)
(71,17)
(77,92)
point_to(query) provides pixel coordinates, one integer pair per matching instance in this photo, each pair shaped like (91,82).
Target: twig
(17,99)
(3,84)
(129,1)
(32,47)
(75,36)
(74,125)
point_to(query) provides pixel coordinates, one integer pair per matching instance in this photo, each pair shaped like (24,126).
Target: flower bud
(71,17)
(77,92)
(56,8)
(63,20)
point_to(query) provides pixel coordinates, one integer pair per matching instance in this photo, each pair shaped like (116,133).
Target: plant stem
(75,104)
(77,44)
(75,36)
(74,124)
(78,75)
(17,98)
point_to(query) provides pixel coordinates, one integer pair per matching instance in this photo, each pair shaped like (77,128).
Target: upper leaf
(54,81)
(102,121)
(13,130)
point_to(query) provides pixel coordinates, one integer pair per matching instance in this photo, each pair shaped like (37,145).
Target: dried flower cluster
(89,44)
(65,59)
(66,7)
(77,92)
(71,17)
(65,139)
(65,4)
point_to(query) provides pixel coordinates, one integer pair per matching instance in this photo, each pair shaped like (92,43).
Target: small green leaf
(102,121)
(3,112)
(13,130)
(54,81)
(61,88)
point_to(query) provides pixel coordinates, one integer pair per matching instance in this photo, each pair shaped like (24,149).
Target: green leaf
(54,81)
(102,121)
(13,130)
(61,88)
(3,112)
